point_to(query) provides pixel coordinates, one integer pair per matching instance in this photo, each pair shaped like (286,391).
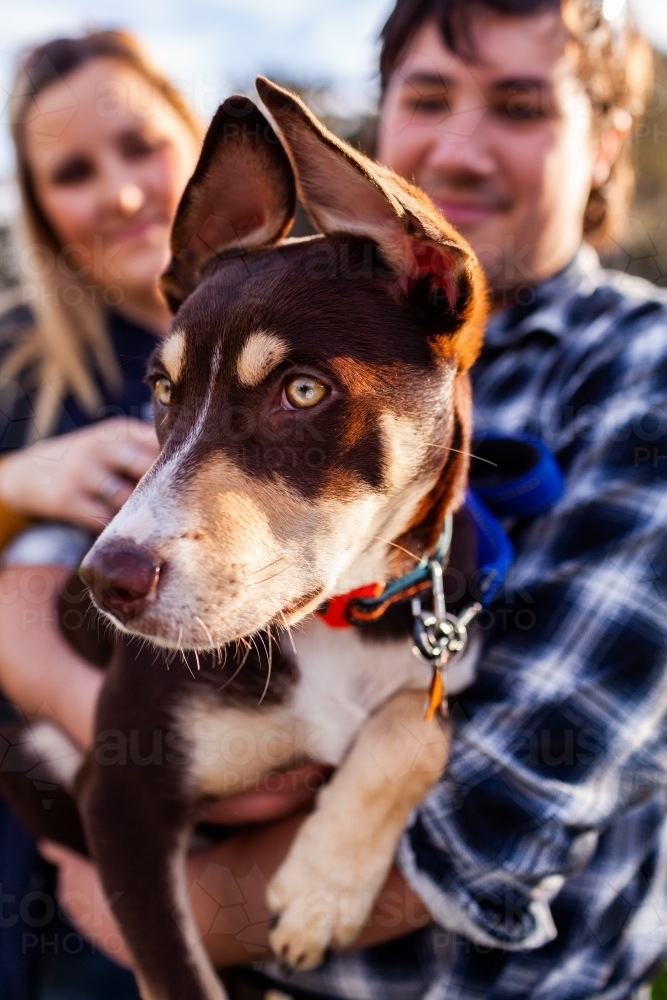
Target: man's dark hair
(613,62)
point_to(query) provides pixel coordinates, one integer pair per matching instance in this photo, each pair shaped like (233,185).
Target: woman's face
(109,158)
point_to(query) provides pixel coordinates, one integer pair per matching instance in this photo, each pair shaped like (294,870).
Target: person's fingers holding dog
(128,449)
(85,476)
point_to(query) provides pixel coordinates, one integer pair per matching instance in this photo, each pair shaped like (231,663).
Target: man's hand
(232,932)
(84,477)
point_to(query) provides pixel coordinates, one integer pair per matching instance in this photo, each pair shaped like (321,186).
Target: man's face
(502,142)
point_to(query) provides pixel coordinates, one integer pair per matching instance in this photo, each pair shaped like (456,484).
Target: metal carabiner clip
(438,634)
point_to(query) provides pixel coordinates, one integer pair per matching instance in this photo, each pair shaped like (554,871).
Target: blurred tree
(640,245)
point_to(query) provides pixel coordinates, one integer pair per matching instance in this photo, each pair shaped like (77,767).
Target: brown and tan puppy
(313,407)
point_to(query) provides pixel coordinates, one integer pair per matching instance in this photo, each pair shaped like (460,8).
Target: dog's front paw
(320,903)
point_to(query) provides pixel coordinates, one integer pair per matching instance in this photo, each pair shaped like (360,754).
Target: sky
(212,47)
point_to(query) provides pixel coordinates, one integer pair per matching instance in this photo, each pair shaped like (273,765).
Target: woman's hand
(250,858)
(83,477)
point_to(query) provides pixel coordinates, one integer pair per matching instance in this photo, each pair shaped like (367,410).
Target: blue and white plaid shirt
(542,854)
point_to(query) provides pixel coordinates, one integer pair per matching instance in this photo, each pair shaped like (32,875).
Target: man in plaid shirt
(542,855)
(537,867)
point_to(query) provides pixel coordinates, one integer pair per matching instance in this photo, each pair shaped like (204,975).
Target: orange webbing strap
(10,525)
(436,695)
(10,522)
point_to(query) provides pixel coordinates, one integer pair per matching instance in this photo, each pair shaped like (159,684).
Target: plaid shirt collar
(546,305)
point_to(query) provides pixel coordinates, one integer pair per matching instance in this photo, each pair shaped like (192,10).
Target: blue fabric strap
(515,476)
(494,549)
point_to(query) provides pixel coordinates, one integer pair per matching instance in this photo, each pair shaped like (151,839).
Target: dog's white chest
(343,680)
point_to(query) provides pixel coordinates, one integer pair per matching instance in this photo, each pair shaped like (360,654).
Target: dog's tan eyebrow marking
(260,354)
(172,353)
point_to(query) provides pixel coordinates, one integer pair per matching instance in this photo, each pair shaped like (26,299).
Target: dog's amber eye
(162,390)
(304,391)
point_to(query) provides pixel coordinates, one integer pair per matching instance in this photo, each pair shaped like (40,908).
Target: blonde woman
(104,147)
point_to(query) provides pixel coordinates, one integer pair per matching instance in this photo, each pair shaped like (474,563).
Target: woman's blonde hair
(67,343)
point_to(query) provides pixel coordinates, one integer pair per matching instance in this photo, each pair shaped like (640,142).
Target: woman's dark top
(31,934)
(132,343)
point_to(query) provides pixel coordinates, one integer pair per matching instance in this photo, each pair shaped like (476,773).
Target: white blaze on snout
(261,353)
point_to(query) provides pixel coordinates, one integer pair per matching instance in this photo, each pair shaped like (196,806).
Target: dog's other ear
(346,192)
(241,195)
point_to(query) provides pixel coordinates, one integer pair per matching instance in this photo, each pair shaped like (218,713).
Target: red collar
(335,613)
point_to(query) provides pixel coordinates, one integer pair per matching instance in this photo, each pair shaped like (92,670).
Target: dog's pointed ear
(344,191)
(241,195)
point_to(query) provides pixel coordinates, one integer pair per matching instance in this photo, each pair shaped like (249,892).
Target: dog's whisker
(289,632)
(87,520)
(143,642)
(269,663)
(258,635)
(468,454)
(283,569)
(182,652)
(267,566)
(238,669)
(187,663)
(395,545)
(206,631)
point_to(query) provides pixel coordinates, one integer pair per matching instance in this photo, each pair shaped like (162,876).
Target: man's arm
(228,895)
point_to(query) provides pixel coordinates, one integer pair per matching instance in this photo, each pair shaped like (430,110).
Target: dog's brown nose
(120,578)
